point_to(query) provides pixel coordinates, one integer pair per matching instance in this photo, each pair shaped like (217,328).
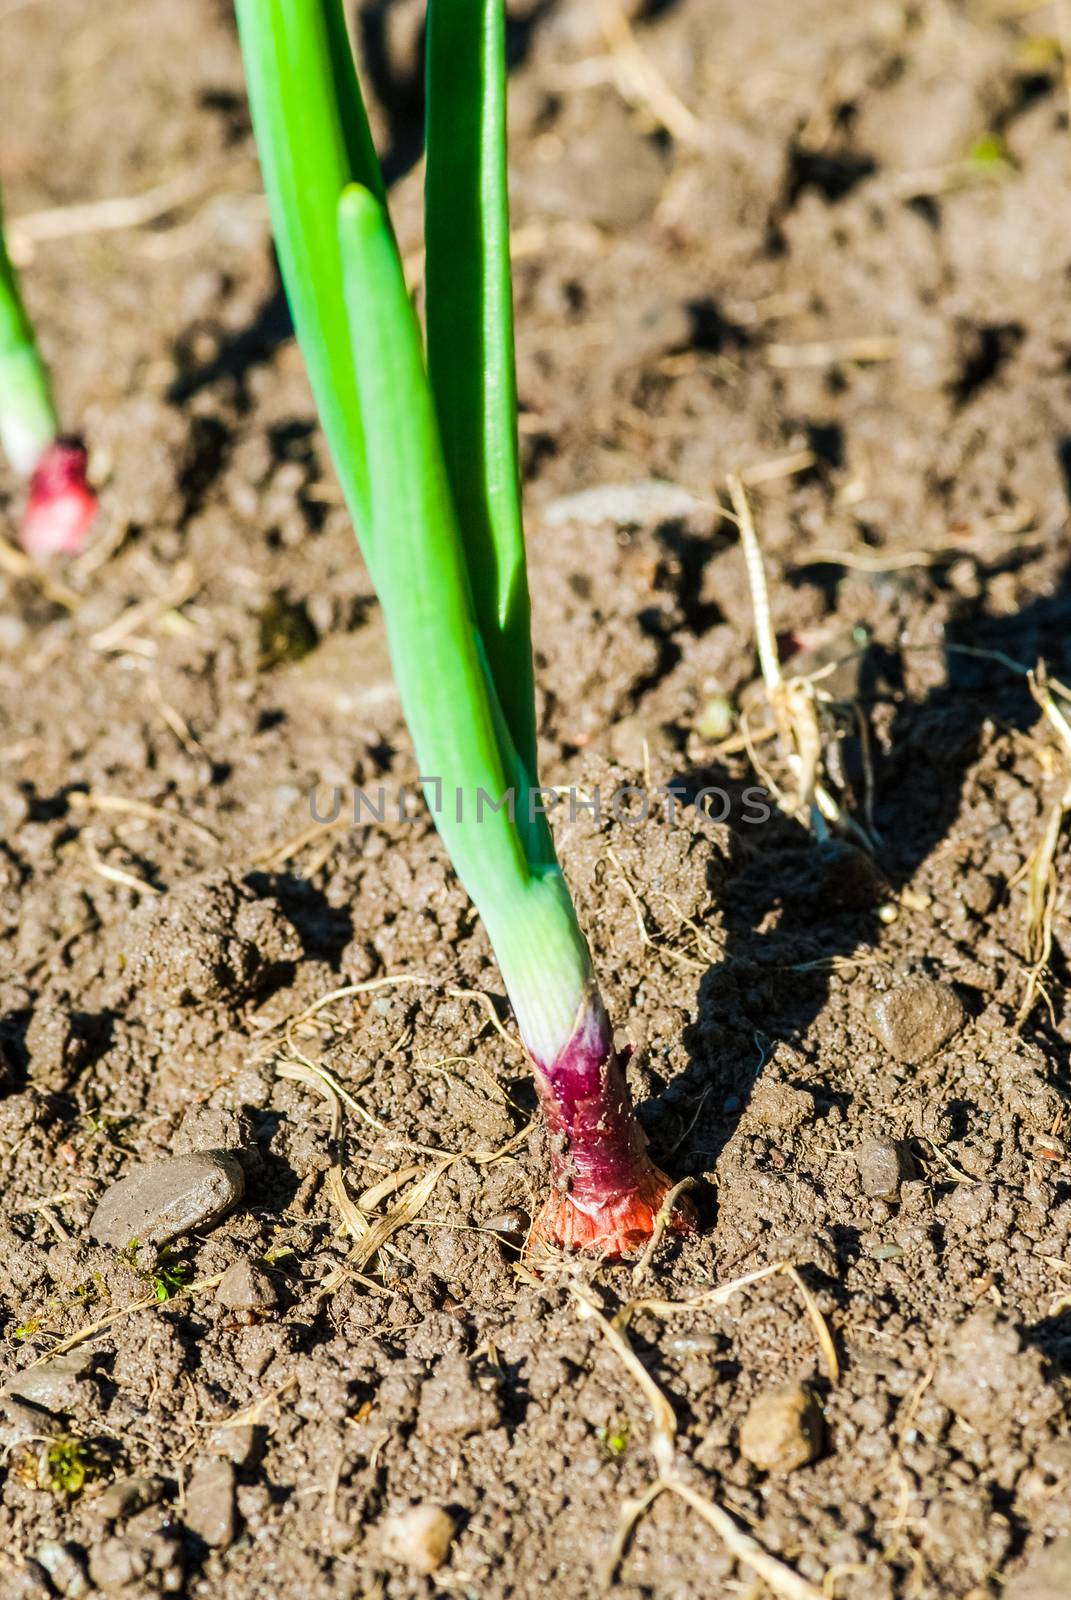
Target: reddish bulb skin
(61,505)
(606,1191)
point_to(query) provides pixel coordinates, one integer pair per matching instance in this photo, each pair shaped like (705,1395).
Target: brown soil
(670,291)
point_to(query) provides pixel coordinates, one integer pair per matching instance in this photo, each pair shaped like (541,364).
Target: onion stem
(427,456)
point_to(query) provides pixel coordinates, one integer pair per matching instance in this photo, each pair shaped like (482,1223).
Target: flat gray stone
(210,1502)
(125,1496)
(916,1018)
(54,1385)
(19,1421)
(245,1286)
(168,1198)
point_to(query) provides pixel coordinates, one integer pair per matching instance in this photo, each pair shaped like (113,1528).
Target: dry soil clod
(916,1019)
(884,1164)
(783,1429)
(418,1538)
(247,1287)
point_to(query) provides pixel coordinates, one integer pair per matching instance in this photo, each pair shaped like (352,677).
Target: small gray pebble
(171,1197)
(513,1224)
(125,1496)
(115,1564)
(246,1287)
(883,1165)
(240,1445)
(54,1385)
(19,1421)
(210,1511)
(694,1344)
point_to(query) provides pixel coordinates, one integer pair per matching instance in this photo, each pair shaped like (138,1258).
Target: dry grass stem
(663,1419)
(875,561)
(794,702)
(104,216)
(829,352)
(723,1292)
(665,1212)
(19,565)
(640,82)
(776,468)
(98,1326)
(482,998)
(776,1574)
(378,1232)
(277,855)
(371,1197)
(97,800)
(173,720)
(1040,871)
(819,1323)
(116,874)
(631,1512)
(122,633)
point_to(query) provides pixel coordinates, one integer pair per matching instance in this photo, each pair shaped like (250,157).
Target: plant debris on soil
(821,250)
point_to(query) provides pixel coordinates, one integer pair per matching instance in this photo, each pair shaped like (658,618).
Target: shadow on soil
(791,906)
(394,65)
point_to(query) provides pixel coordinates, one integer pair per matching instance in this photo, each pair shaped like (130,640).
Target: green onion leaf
(28,422)
(470,333)
(313,139)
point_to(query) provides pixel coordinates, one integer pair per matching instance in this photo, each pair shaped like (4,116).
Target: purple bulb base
(606,1192)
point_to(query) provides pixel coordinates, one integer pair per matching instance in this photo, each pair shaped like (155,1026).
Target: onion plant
(426,449)
(61,506)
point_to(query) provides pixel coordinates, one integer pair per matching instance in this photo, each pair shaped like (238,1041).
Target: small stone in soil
(246,1287)
(883,1165)
(65,1566)
(125,1496)
(148,1550)
(154,1204)
(694,1344)
(54,1385)
(19,1421)
(509,1225)
(209,1509)
(240,1445)
(783,1429)
(916,1018)
(418,1538)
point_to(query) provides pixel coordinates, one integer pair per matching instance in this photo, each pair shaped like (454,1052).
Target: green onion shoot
(60,506)
(425,446)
